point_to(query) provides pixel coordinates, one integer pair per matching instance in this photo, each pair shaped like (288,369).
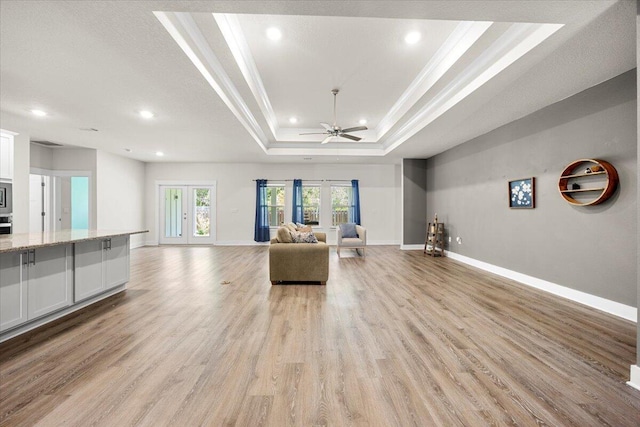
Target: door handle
(32,261)
(25,258)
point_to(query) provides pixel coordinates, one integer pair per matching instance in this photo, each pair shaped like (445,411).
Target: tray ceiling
(221,91)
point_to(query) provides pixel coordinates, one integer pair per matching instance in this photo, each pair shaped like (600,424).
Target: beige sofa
(299,262)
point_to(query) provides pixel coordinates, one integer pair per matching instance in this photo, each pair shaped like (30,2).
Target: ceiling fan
(335,130)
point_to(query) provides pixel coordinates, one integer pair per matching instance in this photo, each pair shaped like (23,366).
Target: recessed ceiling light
(146,114)
(159,153)
(293,120)
(39,113)
(128,150)
(363,121)
(274,33)
(412,38)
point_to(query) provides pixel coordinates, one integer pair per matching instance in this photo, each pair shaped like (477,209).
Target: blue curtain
(298,210)
(261,233)
(355,202)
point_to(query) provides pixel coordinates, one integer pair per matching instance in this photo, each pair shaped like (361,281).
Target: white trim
(612,307)
(240,243)
(412,247)
(634,374)
(516,41)
(509,47)
(232,32)
(186,185)
(221,83)
(457,44)
(8,133)
(136,245)
(383,243)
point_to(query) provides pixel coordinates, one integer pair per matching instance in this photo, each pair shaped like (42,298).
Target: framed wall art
(522,193)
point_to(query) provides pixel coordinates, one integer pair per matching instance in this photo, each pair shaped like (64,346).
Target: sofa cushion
(348,230)
(284,235)
(303,237)
(291,226)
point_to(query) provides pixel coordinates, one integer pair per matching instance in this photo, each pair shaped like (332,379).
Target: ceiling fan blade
(355,129)
(327,139)
(327,126)
(351,137)
(313,133)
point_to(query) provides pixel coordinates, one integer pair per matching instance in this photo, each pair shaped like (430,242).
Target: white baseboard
(418,247)
(151,243)
(239,243)
(383,243)
(634,380)
(138,245)
(612,307)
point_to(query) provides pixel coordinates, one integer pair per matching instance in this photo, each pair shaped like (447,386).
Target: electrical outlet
(449,239)
(459,240)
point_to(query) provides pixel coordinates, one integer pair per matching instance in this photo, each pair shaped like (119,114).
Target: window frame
(276,206)
(319,205)
(347,206)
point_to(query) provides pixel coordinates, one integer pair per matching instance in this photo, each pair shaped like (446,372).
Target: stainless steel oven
(6,199)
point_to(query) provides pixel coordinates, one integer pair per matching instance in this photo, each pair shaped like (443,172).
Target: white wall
(235,204)
(21,157)
(69,159)
(120,194)
(41,157)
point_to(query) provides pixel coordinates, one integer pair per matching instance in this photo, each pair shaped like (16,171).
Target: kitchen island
(44,276)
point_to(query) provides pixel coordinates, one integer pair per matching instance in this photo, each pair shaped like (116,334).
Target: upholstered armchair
(359,241)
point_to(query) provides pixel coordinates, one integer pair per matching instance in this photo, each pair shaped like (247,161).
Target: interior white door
(187,214)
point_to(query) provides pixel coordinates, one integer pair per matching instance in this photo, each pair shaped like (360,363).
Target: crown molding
(233,35)
(509,47)
(188,36)
(457,44)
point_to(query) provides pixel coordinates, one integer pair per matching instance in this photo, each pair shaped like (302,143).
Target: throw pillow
(348,230)
(305,229)
(304,237)
(291,226)
(284,235)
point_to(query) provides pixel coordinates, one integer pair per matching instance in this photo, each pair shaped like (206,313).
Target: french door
(187,214)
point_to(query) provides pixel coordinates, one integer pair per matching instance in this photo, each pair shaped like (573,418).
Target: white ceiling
(223,92)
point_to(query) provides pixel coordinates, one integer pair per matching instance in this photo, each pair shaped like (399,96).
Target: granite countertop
(25,241)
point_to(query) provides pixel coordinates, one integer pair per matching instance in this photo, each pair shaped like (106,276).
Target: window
(311,204)
(275,204)
(340,204)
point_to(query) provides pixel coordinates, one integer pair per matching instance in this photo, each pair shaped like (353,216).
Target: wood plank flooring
(393,339)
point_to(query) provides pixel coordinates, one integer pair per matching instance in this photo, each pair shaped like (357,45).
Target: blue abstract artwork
(521,193)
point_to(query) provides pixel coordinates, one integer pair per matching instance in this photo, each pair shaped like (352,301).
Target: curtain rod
(309,180)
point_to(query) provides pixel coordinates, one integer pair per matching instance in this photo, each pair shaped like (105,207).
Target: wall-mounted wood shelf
(571,174)
(581,190)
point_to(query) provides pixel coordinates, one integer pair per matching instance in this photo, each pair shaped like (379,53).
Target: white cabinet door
(89,269)
(6,158)
(117,262)
(50,280)
(13,289)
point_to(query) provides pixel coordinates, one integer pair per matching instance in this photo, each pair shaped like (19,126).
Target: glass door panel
(174,215)
(200,207)
(187,214)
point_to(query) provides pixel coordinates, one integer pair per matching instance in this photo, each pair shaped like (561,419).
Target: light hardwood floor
(394,339)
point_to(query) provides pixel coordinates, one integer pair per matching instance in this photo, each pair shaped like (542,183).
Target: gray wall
(590,249)
(414,201)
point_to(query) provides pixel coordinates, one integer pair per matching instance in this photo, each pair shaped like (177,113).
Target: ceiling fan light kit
(335,130)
